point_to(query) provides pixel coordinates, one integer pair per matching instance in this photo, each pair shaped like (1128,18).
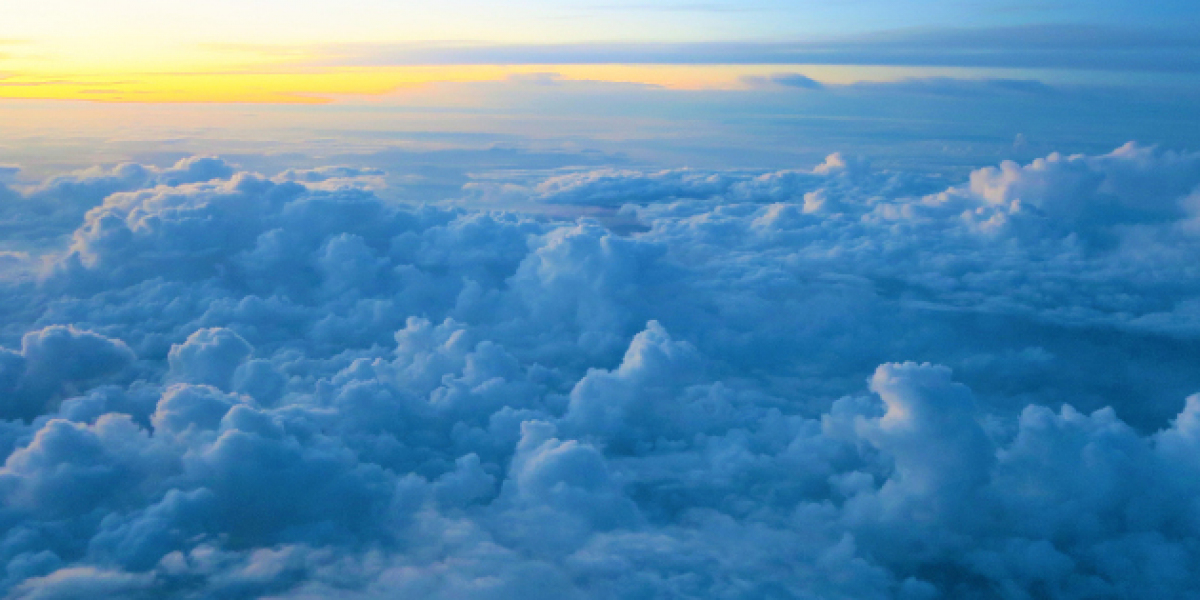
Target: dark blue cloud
(791,80)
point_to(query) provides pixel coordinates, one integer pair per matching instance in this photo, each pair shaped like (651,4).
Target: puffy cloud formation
(56,206)
(828,383)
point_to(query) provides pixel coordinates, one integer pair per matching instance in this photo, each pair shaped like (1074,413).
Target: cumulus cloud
(54,362)
(54,207)
(833,382)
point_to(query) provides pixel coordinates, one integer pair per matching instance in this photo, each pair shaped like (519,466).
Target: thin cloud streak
(1041,46)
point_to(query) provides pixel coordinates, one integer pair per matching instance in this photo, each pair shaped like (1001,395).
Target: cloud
(832,382)
(956,87)
(208,357)
(55,362)
(1050,46)
(54,207)
(788,80)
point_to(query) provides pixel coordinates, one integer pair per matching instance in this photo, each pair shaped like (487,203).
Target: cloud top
(833,382)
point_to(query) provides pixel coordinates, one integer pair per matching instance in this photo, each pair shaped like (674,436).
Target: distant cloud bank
(1043,46)
(838,382)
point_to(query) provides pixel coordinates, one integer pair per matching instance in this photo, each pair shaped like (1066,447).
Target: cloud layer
(831,383)
(1127,47)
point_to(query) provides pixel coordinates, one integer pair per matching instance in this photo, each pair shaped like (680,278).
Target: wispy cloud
(931,86)
(951,86)
(1034,46)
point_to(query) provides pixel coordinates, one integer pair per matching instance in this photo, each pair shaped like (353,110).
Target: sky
(307,51)
(759,84)
(582,300)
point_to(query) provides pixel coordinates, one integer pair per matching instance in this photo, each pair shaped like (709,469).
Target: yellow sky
(263,51)
(285,82)
(143,61)
(243,73)
(258,74)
